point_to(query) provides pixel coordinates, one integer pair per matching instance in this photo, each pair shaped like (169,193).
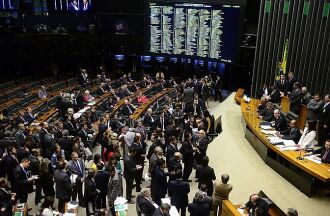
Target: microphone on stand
(300,155)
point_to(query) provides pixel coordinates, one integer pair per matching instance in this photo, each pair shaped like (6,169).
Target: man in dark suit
(171,148)
(255,202)
(101,180)
(10,162)
(163,210)
(82,133)
(66,144)
(90,192)
(127,109)
(114,189)
(205,175)
(178,190)
(149,120)
(280,123)
(28,116)
(19,135)
(291,82)
(324,120)
(296,97)
(202,145)
(63,187)
(292,133)
(139,159)
(282,84)
(160,183)
(77,166)
(188,95)
(275,95)
(324,152)
(7,140)
(187,150)
(144,203)
(22,180)
(198,207)
(130,169)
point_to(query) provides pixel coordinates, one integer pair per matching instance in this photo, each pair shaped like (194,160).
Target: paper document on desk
(311,158)
(274,139)
(288,148)
(289,143)
(266,127)
(241,211)
(272,132)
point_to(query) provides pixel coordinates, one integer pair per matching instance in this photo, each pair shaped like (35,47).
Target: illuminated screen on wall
(72,5)
(201,30)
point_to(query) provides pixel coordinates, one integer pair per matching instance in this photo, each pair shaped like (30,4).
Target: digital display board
(72,5)
(202,30)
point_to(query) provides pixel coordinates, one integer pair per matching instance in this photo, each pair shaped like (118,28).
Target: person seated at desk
(101,89)
(256,204)
(323,154)
(267,113)
(280,123)
(142,99)
(274,96)
(262,104)
(307,139)
(144,203)
(88,97)
(292,133)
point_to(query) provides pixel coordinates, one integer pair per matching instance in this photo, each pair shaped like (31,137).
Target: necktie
(78,166)
(325,155)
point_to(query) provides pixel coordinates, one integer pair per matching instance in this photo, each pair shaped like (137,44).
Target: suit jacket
(187,152)
(70,127)
(160,184)
(198,209)
(202,146)
(101,179)
(282,87)
(29,118)
(83,135)
(323,151)
(281,123)
(114,188)
(170,150)
(10,164)
(20,138)
(66,144)
(205,175)
(158,212)
(7,141)
(100,91)
(49,145)
(275,96)
(221,191)
(127,110)
(324,118)
(141,149)
(21,180)
(314,109)
(6,202)
(188,95)
(291,134)
(129,166)
(174,166)
(290,84)
(149,121)
(145,206)
(80,171)
(63,184)
(178,191)
(90,192)
(295,100)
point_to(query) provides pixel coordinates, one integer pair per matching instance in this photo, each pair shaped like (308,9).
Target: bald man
(292,133)
(174,166)
(256,203)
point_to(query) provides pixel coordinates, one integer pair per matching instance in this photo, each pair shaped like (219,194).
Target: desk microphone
(300,157)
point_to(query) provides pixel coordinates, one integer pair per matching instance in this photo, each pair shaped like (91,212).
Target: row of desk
(301,173)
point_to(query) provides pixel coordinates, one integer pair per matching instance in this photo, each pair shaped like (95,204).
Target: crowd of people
(51,158)
(317,128)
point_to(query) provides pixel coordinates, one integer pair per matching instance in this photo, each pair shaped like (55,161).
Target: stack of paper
(120,200)
(266,127)
(312,158)
(272,132)
(274,139)
(289,143)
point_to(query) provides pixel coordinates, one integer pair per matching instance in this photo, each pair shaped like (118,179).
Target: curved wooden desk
(301,173)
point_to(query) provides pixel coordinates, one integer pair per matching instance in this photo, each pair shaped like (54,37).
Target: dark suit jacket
(49,144)
(100,91)
(20,138)
(203,144)
(90,190)
(178,191)
(83,136)
(159,213)
(325,117)
(29,118)
(66,144)
(21,180)
(295,100)
(187,152)
(198,209)
(141,149)
(127,110)
(101,179)
(322,151)
(10,164)
(63,187)
(6,202)
(281,123)
(160,185)
(70,127)
(170,150)
(205,175)
(282,87)
(145,206)
(129,166)
(291,134)
(147,120)
(275,97)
